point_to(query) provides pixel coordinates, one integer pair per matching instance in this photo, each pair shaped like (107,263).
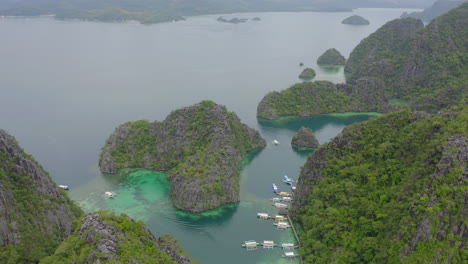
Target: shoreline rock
(304,138)
(331,57)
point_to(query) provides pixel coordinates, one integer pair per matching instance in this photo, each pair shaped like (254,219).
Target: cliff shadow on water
(323,125)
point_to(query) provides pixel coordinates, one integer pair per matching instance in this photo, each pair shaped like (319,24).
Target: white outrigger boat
(280,205)
(290,255)
(276,142)
(109,195)
(288,246)
(281,225)
(250,245)
(275,188)
(65,187)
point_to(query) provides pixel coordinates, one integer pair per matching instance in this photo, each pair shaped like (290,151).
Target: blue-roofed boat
(287,180)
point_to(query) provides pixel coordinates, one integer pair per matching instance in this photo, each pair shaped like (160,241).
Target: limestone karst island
(200,147)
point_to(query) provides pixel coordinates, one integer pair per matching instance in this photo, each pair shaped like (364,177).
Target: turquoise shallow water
(216,236)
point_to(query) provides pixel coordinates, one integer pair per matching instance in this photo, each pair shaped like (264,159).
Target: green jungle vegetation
(28,208)
(389,190)
(355,20)
(331,57)
(141,140)
(307,73)
(426,66)
(134,241)
(304,99)
(304,139)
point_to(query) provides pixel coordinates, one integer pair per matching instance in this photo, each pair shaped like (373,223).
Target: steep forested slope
(104,237)
(35,214)
(390,190)
(426,66)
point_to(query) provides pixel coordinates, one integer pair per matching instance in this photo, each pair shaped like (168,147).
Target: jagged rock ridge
(35,215)
(200,146)
(425,66)
(104,237)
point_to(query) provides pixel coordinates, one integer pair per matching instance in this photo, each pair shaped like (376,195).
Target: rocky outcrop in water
(200,147)
(307,73)
(305,138)
(331,57)
(35,214)
(398,180)
(355,20)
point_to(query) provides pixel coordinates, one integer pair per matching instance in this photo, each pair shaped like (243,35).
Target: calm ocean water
(65,86)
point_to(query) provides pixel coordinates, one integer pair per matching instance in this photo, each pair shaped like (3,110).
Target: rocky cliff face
(305,138)
(200,146)
(369,55)
(368,95)
(441,225)
(169,244)
(104,237)
(394,186)
(35,215)
(424,65)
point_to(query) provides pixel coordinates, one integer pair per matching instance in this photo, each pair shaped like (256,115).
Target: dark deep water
(67,84)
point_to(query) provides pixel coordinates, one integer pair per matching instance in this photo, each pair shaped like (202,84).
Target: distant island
(355,20)
(307,73)
(234,20)
(331,57)
(200,147)
(438,8)
(157,11)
